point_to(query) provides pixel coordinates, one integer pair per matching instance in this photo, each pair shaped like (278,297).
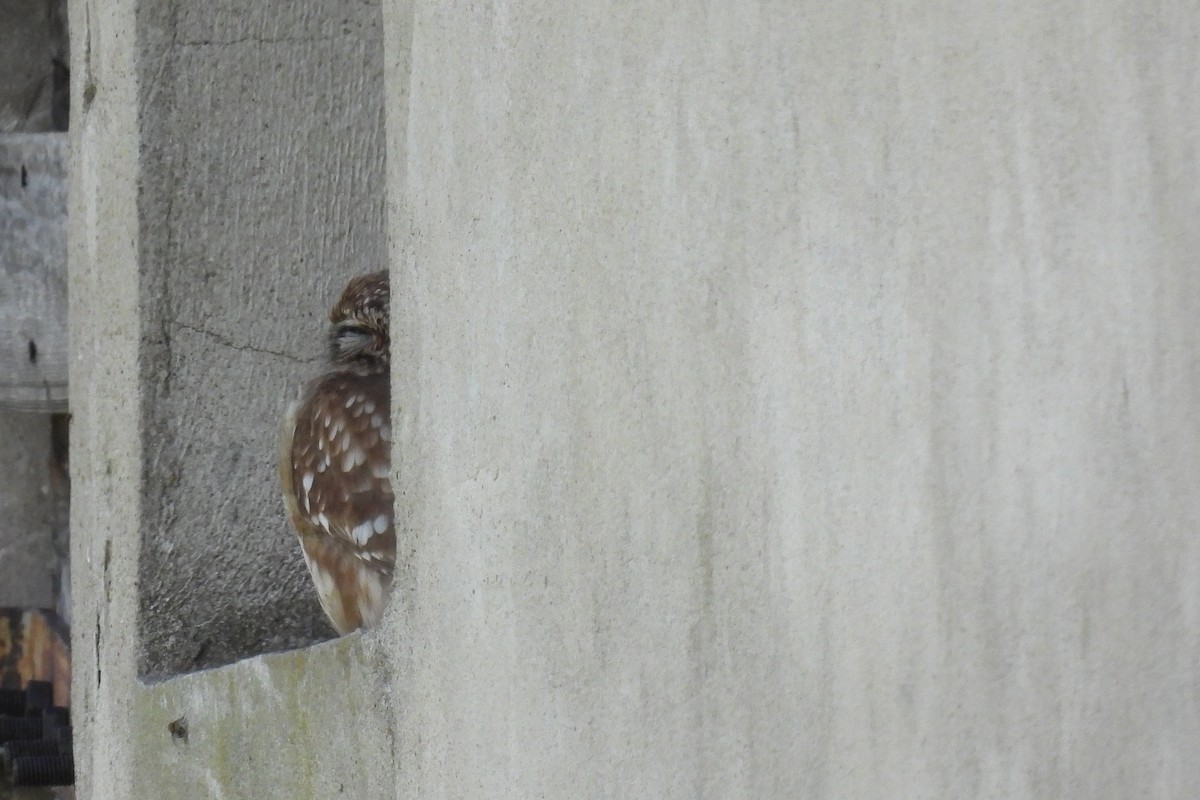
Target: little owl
(334,461)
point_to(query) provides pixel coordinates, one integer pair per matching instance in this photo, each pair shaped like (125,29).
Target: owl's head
(358,333)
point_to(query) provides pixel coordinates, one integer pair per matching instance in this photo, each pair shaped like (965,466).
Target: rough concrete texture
(262,192)
(105,391)
(105,388)
(33,272)
(791,401)
(27,558)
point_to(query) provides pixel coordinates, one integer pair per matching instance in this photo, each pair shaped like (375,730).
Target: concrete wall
(792,400)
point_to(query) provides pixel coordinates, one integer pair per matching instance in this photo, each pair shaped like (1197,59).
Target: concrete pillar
(228,179)
(105,394)
(799,400)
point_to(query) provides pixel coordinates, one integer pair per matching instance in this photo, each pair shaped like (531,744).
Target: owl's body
(334,463)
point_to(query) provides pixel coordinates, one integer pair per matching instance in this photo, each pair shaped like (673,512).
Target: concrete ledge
(303,724)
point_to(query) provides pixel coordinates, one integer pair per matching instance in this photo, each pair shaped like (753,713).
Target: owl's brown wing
(334,463)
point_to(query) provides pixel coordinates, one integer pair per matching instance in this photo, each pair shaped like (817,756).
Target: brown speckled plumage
(334,462)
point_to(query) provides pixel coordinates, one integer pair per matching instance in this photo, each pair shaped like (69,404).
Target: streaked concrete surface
(800,400)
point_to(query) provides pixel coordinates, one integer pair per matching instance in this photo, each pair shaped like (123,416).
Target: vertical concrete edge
(106,460)
(398,22)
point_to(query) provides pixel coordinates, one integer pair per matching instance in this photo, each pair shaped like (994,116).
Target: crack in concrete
(227,342)
(156,81)
(260,40)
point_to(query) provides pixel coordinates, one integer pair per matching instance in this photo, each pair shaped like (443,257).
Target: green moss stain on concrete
(302,724)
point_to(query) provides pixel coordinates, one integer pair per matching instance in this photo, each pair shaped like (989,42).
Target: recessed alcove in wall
(262,192)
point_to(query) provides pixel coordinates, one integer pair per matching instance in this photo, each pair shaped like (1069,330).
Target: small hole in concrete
(32,351)
(178,729)
(24,177)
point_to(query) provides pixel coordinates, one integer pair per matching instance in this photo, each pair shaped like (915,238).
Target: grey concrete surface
(792,400)
(105,395)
